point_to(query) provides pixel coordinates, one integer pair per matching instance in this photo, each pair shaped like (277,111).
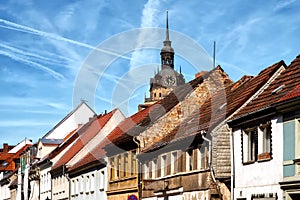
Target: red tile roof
(217,108)
(280,89)
(291,94)
(122,135)
(98,153)
(88,131)
(10,157)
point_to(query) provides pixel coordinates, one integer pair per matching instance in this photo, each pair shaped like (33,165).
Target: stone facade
(216,80)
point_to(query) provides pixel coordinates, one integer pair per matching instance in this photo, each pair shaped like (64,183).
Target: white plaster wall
(80,116)
(46,149)
(4,192)
(259,177)
(97,191)
(60,188)
(45,184)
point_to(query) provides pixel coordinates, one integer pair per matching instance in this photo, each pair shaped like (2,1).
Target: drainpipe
(203,133)
(139,169)
(232,164)
(67,176)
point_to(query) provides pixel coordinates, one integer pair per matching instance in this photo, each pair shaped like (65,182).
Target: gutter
(203,133)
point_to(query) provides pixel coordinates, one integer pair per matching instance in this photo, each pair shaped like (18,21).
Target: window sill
(249,162)
(264,160)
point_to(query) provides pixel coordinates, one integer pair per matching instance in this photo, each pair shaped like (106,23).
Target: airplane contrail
(22,28)
(33,64)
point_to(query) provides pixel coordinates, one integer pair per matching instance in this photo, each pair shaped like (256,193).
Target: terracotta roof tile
(217,108)
(89,131)
(10,159)
(98,152)
(291,94)
(161,108)
(122,135)
(277,91)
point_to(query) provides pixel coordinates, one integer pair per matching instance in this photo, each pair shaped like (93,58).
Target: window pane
(289,140)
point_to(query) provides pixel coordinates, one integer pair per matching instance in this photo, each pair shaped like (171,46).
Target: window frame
(256,143)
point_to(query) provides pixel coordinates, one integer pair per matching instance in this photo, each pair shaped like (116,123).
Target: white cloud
(283,4)
(149,19)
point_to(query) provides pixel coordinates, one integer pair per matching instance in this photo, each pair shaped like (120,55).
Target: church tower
(167,78)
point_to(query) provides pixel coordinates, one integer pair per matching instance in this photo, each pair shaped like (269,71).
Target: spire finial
(180,69)
(167,26)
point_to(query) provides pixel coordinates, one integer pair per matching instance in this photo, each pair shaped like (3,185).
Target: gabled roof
(218,107)
(10,166)
(122,136)
(98,153)
(89,131)
(67,117)
(282,88)
(160,108)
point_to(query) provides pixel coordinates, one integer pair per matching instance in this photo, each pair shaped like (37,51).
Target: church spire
(167,27)
(167,52)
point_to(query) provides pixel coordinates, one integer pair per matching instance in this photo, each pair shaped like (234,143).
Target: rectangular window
(189,160)
(81,182)
(134,164)
(87,184)
(163,165)
(146,170)
(153,168)
(119,169)
(112,169)
(92,184)
(77,186)
(174,163)
(250,147)
(103,179)
(73,187)
(264,141)
(126,168)
(256,143)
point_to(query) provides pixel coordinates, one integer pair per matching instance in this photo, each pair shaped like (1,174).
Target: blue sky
(44,44)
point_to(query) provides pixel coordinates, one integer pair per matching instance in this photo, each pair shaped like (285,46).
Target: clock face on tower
(169,80)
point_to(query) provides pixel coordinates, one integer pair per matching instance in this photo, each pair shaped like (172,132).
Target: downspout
(203,133)
(67,176)
(139,169)
(232,184)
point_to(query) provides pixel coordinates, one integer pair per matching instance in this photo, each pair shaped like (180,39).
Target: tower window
(159,94)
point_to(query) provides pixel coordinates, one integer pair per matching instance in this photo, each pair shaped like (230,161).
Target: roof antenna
(214,55)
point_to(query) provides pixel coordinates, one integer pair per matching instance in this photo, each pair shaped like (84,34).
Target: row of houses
(210,138)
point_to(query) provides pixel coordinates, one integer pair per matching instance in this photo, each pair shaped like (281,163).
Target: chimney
(5,148)
(199,74)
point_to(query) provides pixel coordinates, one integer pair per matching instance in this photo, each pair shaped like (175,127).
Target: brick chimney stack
(5,148)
